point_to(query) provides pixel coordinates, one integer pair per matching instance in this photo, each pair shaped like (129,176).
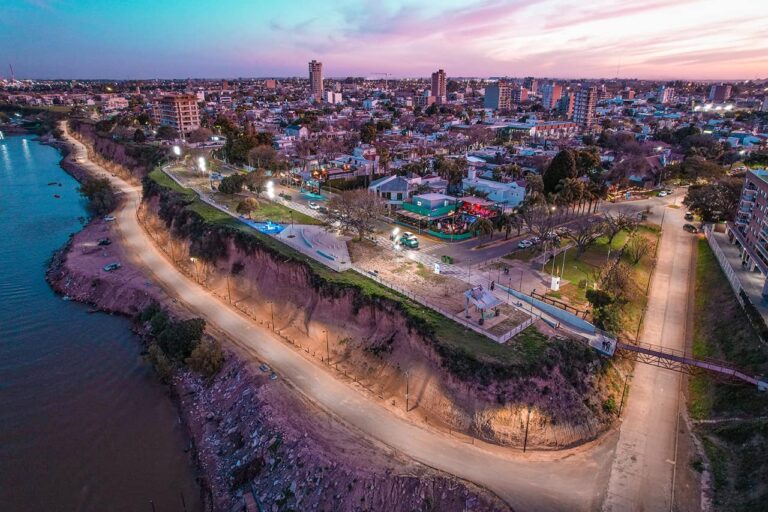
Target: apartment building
(550,95)
(316,79)
(439,86)
(498,96)
(177,110)
(584,107)
(750,228)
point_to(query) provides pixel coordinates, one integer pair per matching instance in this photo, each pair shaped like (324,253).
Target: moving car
(690,228)
(313,205)
(111,266)
(409,240)
(524,244)
(688,216)
(104,241)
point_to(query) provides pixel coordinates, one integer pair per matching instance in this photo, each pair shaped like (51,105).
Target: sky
(124,39)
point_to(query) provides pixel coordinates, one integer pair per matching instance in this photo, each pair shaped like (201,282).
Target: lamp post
(327,347)
(197,273)
(177,152)
(272,314)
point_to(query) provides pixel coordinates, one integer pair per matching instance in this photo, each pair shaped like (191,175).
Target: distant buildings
(665,95)
(316,80)
(439,86)
(334,98)
(566,104)
(270,84)
(498,97)
(550,95)
(584,107)
(177,110)
(719,93)
(519,94)
(531,84)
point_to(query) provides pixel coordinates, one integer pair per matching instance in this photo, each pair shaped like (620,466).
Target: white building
(508,194)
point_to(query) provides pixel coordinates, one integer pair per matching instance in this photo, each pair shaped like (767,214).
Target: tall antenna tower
(13,78)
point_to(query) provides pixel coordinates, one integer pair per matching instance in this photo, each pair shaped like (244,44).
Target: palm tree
(507,221)
(482,226)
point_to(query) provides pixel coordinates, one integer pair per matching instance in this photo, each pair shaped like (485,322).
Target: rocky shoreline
(258,445)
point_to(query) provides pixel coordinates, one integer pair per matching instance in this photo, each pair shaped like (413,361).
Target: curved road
(568,480)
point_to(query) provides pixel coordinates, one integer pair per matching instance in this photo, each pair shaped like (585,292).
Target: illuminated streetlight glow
(201,163)
(177,150)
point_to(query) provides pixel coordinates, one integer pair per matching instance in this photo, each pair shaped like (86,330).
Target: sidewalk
(751,282)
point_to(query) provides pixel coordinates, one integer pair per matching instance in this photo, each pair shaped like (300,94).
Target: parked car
(264,367)
(109,218)
(111,266)
(104,241)
(524,244)
(690,228)
(535,240)
(409,240)
(313,205)
(663,193)
(688,216)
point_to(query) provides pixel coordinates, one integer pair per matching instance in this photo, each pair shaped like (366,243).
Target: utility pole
(229,292)
(527,421)
(272,314)
(407,389)
(327,347)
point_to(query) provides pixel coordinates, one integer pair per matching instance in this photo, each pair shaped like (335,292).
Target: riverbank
(252,433)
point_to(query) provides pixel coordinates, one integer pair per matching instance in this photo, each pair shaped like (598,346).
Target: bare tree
(585,234)
(637,247)
(615,278)
(615,223)
(540,220)
(354,210)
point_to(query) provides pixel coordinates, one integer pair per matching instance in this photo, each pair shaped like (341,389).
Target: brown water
(84,424)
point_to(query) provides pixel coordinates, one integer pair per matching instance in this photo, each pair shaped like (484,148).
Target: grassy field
(267,210)
(580,273)
(466,351)
(737,450)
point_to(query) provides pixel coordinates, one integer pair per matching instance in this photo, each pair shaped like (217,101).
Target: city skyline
(551,38)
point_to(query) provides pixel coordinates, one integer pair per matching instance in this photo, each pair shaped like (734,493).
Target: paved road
(569,480)
(642,473)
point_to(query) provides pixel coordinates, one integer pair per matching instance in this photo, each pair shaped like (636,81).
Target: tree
(562,166)
(585,234)
(179,339)
(262,156)
(637,247)
(716,201)
(508,221)
(206,358)
(368,133)
(539,220)
(199,135)
(166,132)
(232,184)
(138,136)
(482,226)
(101,198)
(255,181)
(615,223)
(247,206)
(354,210)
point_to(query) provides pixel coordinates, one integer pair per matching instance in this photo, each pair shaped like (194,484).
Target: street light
(197,273)
(272,314)
(407,389)
(327,347)
(201,164)
(177,151)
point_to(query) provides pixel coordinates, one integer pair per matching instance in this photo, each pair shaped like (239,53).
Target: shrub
(609,405)
(179,339)
(207,358)
(159,362)
(101,199)
(232,184)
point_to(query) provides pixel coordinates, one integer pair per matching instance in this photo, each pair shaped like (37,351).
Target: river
(84,424)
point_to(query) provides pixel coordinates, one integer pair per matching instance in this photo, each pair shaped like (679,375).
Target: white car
(663,193)
(313,205)
(524,244)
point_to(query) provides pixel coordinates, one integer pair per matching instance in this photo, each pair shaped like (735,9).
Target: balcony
(749,198)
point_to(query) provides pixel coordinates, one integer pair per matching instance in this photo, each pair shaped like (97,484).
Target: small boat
(57,196)
(66,298)
(51,183)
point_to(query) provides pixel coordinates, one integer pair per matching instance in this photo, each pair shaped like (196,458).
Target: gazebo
(483,300)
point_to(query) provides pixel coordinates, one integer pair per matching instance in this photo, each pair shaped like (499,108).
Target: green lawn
(737,450)
(579,272)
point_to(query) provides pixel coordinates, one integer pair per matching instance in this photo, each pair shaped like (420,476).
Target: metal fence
(730,274)
(453,316)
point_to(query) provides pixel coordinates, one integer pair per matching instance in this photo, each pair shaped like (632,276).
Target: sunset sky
(690,39)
